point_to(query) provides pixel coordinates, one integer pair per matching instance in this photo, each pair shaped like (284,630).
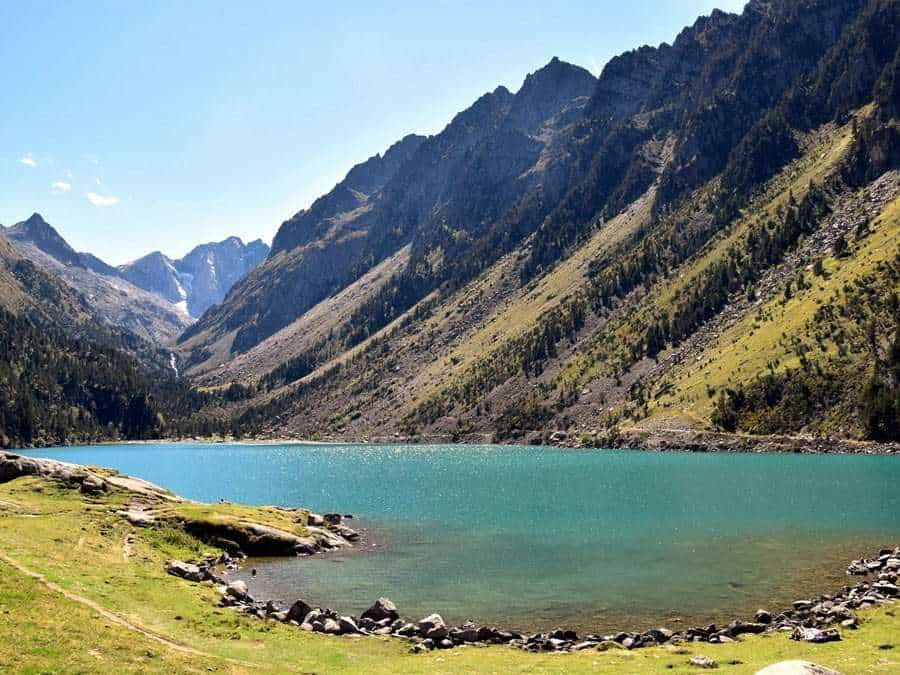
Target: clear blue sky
(137,126)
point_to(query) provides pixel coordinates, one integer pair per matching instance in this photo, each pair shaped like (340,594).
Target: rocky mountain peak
(547,91)
(39,233)
(201,278)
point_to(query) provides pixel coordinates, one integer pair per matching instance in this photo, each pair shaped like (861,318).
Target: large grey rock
(381,610)
(185,571)
(796,668)
(433,627)
(238,590)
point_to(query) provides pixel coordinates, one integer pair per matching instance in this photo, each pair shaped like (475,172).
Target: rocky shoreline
(646,440)
(810,620)
(814,620)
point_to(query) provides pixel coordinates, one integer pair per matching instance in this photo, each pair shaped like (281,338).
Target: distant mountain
(201,278)
(68,376)
(109,294)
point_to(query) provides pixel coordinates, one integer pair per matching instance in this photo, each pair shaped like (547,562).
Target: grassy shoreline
(84,591)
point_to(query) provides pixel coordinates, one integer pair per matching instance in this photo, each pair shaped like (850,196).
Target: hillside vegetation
(705,241)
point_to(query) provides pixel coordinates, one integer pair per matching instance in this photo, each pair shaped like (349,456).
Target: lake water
(530,537)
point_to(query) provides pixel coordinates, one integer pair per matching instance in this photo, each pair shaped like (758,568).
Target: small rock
(701,661)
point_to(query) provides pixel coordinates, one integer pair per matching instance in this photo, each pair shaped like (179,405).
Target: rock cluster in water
(811,620)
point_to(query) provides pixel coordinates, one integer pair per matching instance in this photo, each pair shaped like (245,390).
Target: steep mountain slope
(459,189)
(585,287)
(201,278)
(109,294)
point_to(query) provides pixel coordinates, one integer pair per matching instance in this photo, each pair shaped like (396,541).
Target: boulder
(331,627)
(815,634)
(660,634)
(796,668)
(885,588)
(381,610)
(185,571)
(299,611)
(347,533)
(740,628)
(587,644)
(406,630)
(762,616)
(332,518)
(348,625)
(253,538)
(701,661)
(93,485)
(238,590)
(433,627)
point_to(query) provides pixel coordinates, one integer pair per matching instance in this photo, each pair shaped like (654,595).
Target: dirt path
(105,613)
(128,547)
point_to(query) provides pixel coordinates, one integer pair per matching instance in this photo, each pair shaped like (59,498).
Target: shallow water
(536,537)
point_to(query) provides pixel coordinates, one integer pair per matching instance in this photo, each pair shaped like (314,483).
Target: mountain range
(200,279)
(702,240)
(153,297)
(563,259)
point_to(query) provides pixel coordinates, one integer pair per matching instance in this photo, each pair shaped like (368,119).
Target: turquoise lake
(531,538)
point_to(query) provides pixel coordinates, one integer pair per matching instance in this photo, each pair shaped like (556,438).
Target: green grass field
(103,606)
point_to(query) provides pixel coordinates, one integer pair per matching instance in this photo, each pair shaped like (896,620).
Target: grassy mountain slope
(687,311)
